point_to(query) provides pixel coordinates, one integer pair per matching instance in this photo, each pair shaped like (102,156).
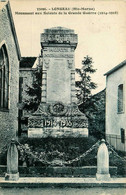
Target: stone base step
(58,171)
(35,182)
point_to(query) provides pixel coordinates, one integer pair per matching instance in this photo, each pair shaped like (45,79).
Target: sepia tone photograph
(62,97)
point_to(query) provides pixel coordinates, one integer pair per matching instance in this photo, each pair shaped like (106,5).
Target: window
(122,135)
(20,89)
(120,98)
(4,77)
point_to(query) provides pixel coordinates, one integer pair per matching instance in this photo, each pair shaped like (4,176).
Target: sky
(101,36)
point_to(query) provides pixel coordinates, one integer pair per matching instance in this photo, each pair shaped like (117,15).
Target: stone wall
(9,117)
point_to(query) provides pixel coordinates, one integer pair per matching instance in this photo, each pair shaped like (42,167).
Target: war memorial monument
(58,114)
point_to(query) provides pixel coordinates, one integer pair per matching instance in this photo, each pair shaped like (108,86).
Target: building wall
(9,117)
(114,120)
(26,78)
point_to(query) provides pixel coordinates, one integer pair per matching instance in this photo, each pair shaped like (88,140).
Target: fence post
(103,162)
(12,162)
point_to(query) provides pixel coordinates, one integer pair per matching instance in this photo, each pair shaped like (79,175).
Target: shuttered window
(120,98)
(122,135)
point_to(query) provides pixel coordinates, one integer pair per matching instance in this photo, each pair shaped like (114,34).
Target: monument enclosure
(58,114)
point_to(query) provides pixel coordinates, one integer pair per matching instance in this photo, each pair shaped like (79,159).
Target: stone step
(57,171)
(34,182)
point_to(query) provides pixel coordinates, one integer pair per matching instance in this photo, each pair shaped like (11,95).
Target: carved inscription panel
(58,81)
(58,61)
(56,123)
(59,38)
(58,52)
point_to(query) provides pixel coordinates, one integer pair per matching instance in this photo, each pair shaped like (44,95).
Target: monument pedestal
(11,176)
(102,177)
(65,133)
(57,120)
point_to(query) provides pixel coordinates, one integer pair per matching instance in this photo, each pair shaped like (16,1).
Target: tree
(33,92)
(85,85)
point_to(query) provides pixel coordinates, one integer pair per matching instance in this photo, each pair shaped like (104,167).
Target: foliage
(93,106)
(63,149)
(50,149)
(96,115)
(85,85)
(34,92)
(118,162)
(33,157)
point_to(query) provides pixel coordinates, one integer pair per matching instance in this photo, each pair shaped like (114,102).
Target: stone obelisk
(58,114)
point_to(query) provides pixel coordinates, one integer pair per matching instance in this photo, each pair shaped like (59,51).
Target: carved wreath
(58,109)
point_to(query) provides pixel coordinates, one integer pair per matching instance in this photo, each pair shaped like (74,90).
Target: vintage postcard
(63,96)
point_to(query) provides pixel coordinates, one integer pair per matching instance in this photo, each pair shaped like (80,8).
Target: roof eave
(115,68)
(13,29)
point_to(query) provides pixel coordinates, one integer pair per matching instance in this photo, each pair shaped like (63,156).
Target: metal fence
(117,142)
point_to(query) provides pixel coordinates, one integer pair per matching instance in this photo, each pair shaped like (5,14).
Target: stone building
(9,75)
(116,106)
